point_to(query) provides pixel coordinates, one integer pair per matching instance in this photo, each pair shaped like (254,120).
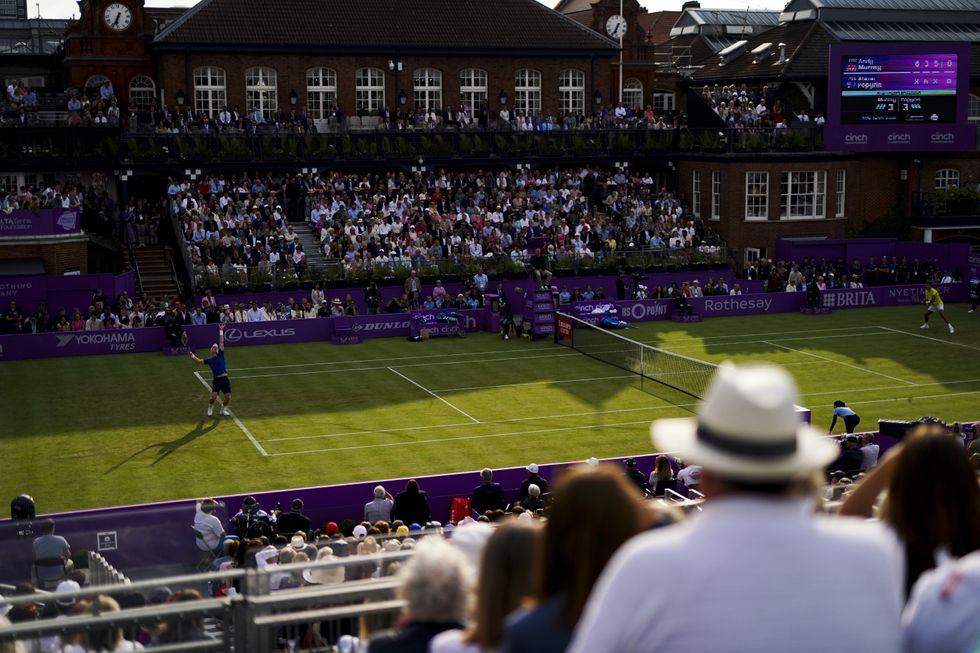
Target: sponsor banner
(43,222)
(69,292)
(400,324)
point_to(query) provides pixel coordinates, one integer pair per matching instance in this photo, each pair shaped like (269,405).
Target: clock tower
(110,40)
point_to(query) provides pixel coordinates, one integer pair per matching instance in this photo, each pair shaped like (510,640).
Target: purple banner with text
(43,222)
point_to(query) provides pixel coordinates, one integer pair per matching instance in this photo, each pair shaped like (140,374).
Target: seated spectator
(505,582)
(941,614)
(251,521)
(757,459)
(379,508)
(533,502)
(434,584)
(48,549)
(98,638)
(294,521)
(487,495)
(636,476)
(411,505)
(210,528)
(662,477)
(596,510)
(933,498)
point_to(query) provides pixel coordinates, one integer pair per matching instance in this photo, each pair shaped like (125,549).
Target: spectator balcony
(955,208)
(52,148)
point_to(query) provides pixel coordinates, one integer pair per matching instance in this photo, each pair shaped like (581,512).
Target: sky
(68,8)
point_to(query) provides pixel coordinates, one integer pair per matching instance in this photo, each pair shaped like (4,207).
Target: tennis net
(688,375)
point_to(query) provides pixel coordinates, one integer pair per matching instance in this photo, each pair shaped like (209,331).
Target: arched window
(93,84)
(321,91)
(571,91)
(428,89)
(370,89)
(260,91)
(527,91)
(142,92)
(633,94)
(209,90)
(947,178)
(473,88)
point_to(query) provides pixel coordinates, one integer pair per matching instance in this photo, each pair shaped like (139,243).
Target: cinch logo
(111,338)
(899,139)
(856,139)
(234,334)
(943,138)
(845,298)
(640,311)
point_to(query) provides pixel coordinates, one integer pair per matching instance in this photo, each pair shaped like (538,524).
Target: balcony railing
(53,148)
(958,207)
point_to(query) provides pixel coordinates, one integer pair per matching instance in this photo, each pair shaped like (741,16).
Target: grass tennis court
(96,431)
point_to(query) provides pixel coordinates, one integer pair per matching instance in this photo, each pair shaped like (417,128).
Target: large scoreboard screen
(908,88)
(887,97)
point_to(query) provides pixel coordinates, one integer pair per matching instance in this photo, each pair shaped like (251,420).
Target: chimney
(691,4)
(782,53)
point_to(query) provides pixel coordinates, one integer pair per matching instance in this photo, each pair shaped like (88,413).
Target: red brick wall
(872,186)
(176,73)
(57,257)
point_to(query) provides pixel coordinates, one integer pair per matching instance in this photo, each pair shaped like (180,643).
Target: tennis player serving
(934,304)
(219,372)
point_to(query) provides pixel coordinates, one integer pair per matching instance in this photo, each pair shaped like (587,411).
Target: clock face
(118,16)
(616,26)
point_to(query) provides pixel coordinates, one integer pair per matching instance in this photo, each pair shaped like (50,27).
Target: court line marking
(852,366)
(238,422)
(752,342)
(566,428)
(422,387)
(925,337)
(372,360)
(463,437)
(385,367)
(586,413)
(515,385)
(497,351)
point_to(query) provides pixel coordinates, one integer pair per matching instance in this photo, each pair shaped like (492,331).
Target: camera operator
(372,297)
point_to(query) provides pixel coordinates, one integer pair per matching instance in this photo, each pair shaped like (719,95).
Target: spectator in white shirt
(756,570)
(869,451)
(254,313)
(207,526)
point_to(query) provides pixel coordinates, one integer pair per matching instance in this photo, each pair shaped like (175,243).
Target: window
(633,94)
(209,90)
(716,195)
(527,91)
(973,109)
(696,192)
(321,92)
(370,89)
(428,89)
(756,195)
(802,195)
(93,84)
(473,88)
(571,91)
(8,184)
(947,178)
(841,192)
(260,91)
(663,102)
(142,91)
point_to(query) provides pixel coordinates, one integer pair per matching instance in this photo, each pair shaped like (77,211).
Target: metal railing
(101,573)
(252,618)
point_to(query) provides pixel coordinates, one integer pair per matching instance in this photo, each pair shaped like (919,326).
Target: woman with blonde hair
(505,582)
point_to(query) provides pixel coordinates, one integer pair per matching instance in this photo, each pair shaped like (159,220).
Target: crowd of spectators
(20,104)
(544,570)
(889,270)
(745,108)
(54,196)
(575,216)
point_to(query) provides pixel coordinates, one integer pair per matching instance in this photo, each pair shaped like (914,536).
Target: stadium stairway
(314,253)
(155,270)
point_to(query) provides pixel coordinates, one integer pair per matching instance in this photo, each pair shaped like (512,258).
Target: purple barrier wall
(607,283)
(159,534)
(781,302)
(43,222)
(87,343)
(69,292)
(952,256)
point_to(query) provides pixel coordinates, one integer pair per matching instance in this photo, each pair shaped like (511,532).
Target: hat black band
(727,444)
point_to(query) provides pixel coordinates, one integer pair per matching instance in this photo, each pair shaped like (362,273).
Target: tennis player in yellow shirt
(934,304)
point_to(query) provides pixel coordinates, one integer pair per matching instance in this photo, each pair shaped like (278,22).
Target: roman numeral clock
(117,16)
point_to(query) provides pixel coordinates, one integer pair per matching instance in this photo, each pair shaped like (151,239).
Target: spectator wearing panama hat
(757,550)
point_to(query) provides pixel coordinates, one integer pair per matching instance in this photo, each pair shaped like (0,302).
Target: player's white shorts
(935,308)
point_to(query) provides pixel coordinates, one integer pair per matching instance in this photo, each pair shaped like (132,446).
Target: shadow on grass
(166,448)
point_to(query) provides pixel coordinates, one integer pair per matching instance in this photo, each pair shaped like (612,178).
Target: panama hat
(747,428)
